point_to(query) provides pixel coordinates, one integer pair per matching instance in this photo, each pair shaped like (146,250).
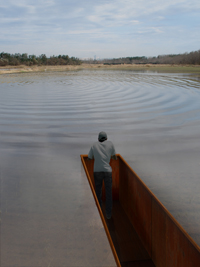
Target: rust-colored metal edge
(162,206)
(100,212)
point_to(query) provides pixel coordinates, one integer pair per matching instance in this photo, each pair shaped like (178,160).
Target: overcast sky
(101,28)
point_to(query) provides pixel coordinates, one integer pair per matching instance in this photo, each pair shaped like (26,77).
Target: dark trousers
(99,177)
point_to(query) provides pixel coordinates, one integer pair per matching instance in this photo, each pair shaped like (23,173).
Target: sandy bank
(150,67)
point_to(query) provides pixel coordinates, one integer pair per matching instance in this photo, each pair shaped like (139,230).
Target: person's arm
(90,154)
(113,153)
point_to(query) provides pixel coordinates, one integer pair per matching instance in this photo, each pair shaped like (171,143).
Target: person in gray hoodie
(102,151)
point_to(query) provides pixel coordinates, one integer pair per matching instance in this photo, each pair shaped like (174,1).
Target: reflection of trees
(25,59)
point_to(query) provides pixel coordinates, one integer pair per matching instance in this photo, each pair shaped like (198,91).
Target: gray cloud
(114,28)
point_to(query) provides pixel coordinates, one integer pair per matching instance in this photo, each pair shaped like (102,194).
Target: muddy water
(47,120)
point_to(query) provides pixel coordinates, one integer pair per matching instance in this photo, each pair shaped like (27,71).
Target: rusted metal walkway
(128,245)
(142,232)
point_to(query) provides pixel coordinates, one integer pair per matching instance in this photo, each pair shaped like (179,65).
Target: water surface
(48,119)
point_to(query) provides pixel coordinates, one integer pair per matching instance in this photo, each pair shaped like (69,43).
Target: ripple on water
(154,120)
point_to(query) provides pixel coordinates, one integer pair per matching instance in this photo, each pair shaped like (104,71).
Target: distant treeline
(29,60)
(186,58)
(6,59)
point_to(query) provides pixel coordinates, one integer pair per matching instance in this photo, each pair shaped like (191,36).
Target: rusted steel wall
(88,166)
(171,245)
(136,201)
(163,237)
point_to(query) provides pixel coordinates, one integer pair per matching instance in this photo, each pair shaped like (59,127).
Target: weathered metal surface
(136,202)
(125,239)
(88,166)
(166,241)
(162,236)
(171,245)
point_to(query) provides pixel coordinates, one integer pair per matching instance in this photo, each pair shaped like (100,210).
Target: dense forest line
(6,59)
(192,58)
(29,60)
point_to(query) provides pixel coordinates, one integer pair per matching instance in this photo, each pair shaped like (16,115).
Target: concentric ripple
(154,120)
(87,98)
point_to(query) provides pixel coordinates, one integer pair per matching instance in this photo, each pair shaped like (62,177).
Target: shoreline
(165,68)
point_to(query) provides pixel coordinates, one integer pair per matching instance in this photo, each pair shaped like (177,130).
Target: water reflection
(48,119)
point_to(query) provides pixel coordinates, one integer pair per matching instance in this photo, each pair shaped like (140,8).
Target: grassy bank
(148,67)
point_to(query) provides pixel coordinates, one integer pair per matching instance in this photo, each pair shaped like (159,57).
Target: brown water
(47,120)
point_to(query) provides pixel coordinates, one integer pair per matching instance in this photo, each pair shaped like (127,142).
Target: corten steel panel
(115,175)
(158,235)
(115,181)
(136,201)
(88,166)
(176,246)
(171,245)
(163,237)
(194,255)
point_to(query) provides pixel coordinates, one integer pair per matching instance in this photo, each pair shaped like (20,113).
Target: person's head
(102,137)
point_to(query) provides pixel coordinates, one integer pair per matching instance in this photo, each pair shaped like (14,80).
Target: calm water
(47,120)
